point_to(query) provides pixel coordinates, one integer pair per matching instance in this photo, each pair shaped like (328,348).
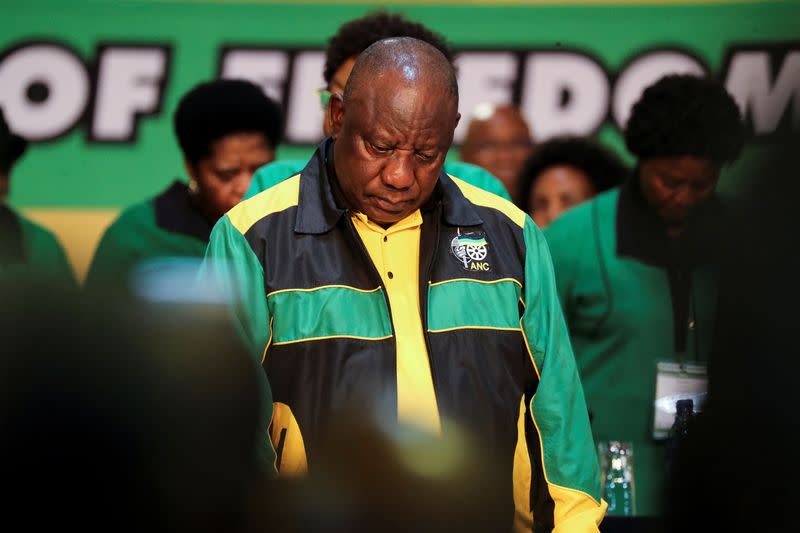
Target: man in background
(498,139)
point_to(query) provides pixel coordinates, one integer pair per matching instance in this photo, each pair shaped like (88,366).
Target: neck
(194,198)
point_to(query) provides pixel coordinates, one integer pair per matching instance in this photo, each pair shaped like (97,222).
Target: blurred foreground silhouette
(131,415)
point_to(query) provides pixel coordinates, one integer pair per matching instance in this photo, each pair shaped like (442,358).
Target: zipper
(423,304)
(375,273)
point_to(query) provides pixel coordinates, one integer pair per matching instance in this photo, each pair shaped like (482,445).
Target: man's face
(224,176)
(391,142)
(338,81)
(500,144)
(676,186)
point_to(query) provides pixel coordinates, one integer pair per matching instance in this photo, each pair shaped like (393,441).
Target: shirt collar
(413,220)
(318,210)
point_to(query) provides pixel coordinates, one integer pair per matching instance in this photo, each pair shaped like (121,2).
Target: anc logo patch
(471,250)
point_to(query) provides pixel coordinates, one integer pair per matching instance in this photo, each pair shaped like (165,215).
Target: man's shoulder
(277,198)
(480,197)
(478,176)
(273,173)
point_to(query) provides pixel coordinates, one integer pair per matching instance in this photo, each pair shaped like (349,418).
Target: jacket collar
(176,213)
(318,211)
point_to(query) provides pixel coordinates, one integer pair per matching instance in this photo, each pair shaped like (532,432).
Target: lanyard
(692,330)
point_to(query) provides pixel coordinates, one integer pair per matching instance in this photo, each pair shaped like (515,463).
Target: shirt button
(691,325)
(390,275)
(385,238)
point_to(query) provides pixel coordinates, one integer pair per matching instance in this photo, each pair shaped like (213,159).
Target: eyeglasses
(324,97)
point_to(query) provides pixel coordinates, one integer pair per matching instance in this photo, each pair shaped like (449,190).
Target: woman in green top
(26,249)
(226,129)
(636,267)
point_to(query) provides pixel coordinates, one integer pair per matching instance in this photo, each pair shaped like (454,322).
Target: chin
(386,219)
(675,220)
(381,217)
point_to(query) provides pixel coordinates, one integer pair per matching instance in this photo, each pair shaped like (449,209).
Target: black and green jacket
(29,251)
(312,307)
(166,226)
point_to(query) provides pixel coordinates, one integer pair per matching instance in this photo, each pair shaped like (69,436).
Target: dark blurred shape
(367,478)
(133,413)
(739,468)
(123,417)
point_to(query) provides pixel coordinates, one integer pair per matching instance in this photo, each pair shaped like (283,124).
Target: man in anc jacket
(374,280)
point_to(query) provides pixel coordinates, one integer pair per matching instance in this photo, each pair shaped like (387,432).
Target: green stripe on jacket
(334,311)
(473,304)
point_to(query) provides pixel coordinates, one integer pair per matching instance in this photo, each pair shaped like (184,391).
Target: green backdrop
(73,171)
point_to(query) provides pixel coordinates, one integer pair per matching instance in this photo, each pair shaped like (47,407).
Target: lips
(390,206)
(674,213)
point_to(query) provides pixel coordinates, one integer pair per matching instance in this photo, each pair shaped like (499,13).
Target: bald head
(408,60)
(498,139)
(393,127)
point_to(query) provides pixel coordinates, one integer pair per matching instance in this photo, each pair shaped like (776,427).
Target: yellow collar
(411,221)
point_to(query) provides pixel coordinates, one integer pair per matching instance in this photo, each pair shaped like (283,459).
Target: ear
(336,114)
(191,169)
(326,120)
(458,119)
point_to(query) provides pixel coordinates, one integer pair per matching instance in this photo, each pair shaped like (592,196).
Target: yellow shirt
(395,253)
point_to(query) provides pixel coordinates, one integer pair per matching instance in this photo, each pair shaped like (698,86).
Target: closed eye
(380,148)
(227,174)
(670,183)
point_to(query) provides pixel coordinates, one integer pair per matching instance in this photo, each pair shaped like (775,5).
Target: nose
(683,196)
(398,172)
(544,215)
(242,181)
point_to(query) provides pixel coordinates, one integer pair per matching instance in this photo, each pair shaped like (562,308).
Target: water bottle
(684,412)
(616,466)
